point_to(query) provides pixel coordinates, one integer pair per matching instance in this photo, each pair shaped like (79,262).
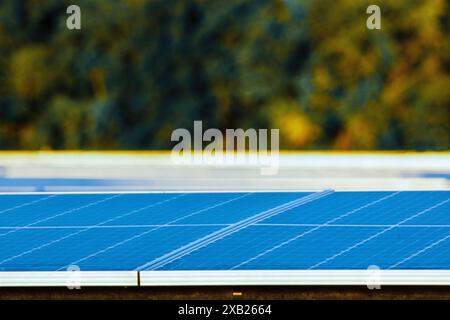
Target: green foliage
(139,69)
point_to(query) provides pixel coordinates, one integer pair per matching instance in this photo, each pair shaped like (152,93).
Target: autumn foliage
(139,69)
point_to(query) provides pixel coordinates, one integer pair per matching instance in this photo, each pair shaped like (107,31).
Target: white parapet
(295,277)
(69,279)
(370,278)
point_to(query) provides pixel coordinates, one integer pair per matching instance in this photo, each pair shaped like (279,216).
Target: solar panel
(170,237)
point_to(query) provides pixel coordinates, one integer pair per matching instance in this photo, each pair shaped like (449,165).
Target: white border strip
(68,279)
(170,192)
(295,277)
(38,193)
(227,278)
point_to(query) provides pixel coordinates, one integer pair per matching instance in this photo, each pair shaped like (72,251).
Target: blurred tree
(140,68)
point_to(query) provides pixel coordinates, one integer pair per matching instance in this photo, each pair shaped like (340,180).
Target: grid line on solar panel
(178,207)
(322,210)
(22,205)
(83,230)
(124,226)
(382,251)
(125,257)
(378,234)
(232,229)
(398,208)
(420,242)
(421,251)
(257,202)
(64,213)
(354,225)
(439,216)
(438,252)
(154,229)
(59,206)
(286,242)
(294,225)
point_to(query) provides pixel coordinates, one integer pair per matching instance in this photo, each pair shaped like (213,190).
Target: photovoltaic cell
(211,231)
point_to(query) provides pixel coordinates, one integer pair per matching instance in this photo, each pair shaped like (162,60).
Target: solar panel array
(225,231)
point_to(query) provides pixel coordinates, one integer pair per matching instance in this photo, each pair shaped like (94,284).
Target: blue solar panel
(225,231)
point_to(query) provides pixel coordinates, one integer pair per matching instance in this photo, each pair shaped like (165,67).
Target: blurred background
(138,69)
